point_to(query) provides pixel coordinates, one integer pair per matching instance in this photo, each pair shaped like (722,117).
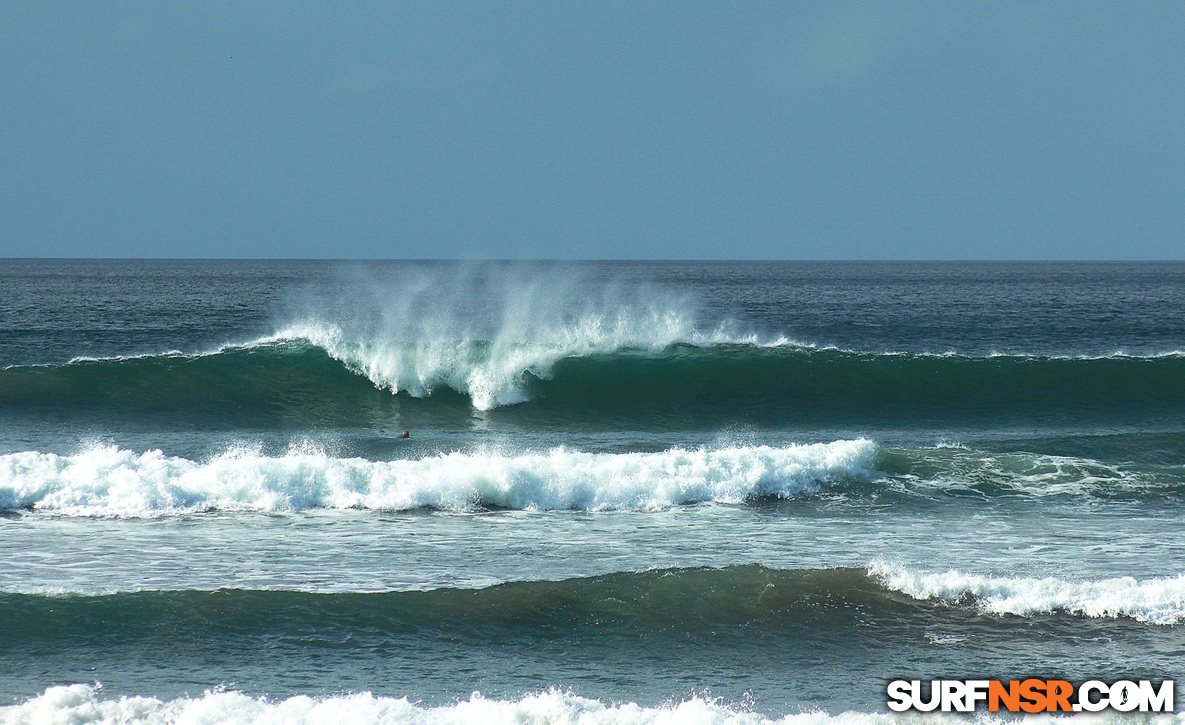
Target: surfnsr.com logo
(1030,696)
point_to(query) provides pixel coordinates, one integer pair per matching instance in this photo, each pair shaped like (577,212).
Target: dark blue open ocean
(707,492)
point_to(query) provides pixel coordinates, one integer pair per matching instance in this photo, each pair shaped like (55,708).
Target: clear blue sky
(788,130)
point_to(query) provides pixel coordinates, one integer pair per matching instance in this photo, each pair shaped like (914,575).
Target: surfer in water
(405,434)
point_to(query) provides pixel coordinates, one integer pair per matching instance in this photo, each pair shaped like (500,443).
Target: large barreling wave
(486,332)
(548,345)
(325,378)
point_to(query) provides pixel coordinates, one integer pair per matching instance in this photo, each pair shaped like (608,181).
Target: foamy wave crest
(83,704)
(108,481)
(491,372)
(483,331)
(1156,601)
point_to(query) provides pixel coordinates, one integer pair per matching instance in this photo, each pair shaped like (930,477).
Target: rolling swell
(295,382)
(741,601)
(285,383)
(739,629)
(661,600)
(811,387)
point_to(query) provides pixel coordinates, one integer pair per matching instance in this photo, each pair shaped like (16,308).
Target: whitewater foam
(109,481)
(1155,601)
(493,372)
(83,704)
(484,331)
(951,466)
(616,352)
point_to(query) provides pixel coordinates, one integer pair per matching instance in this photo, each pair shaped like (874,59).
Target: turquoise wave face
(296,383)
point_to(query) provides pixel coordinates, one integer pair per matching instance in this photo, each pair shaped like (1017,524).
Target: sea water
(704,492)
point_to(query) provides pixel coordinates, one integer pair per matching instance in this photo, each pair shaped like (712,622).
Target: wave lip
(498,371)
(108,481)
(1153,601)
(317,374)
(601,358)
(485,332)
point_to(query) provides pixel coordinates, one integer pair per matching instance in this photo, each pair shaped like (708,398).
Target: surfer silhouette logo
(1124,695)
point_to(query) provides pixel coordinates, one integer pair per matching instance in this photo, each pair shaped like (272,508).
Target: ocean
(631,491)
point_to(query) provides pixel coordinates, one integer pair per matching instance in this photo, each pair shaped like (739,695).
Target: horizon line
(505,260)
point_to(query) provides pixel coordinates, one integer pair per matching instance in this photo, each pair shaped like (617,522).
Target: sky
(593,130)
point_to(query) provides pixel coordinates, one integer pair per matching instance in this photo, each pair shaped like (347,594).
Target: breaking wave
(554,344)
(108,481)
(676,600)
(318,376)
(111,481)
(1156,601)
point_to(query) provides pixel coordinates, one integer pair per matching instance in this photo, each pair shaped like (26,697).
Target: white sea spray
(110,481)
